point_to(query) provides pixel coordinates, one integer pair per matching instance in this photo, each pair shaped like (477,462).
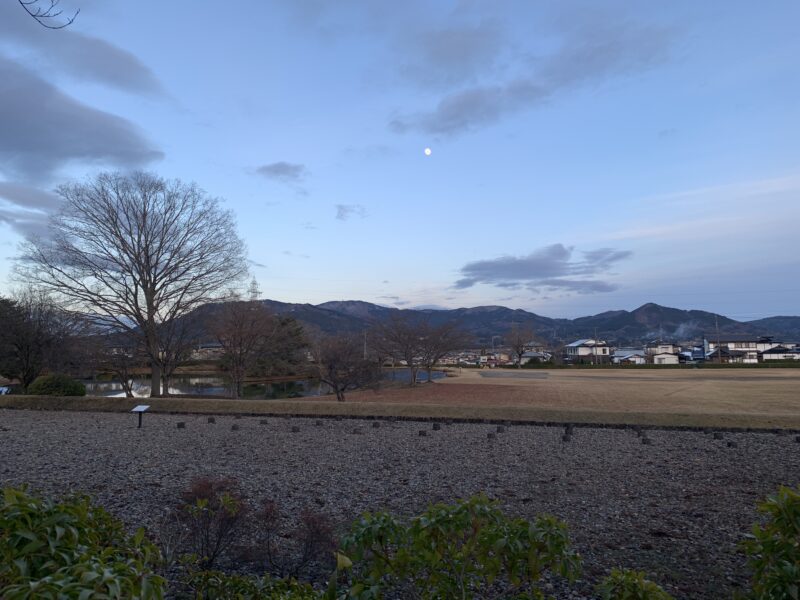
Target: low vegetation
(469,549)
(56,385)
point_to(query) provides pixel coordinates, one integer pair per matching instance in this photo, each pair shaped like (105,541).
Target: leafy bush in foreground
(774,548)
(56,385)
(630,585)
(464,550)
(71,549)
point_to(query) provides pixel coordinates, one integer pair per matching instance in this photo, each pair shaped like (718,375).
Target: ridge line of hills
(649,321)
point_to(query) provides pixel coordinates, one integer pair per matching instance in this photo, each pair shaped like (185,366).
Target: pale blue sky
(583,159)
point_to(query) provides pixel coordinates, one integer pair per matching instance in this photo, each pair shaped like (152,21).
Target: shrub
(310,543)
(56,385)
(773,549)
(213,512)
(71,549)
(630,585)
(459,550)
(214,585)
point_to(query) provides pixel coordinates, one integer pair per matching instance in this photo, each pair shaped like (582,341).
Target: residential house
(536,357)
(750,347)
(628,356)
(664,358)
(588,351)
(661,347)
(781,353)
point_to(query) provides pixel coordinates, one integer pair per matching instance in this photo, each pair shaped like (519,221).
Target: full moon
(427,151)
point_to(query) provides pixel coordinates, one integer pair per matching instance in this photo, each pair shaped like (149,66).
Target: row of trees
(141,265)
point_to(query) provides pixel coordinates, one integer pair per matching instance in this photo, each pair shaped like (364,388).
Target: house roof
(586,342)
(781,350)
(713,337)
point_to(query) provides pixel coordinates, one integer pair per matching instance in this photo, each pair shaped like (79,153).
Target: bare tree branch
(43,16)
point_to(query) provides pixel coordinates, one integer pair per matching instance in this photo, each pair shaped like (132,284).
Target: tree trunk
(430,377)
(155,380)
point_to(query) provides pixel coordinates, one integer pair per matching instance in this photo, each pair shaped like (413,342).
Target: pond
(218,386)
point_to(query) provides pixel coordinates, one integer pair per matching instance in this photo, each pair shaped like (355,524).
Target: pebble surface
(675,508)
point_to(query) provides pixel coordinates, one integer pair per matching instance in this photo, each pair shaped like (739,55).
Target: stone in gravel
(797,439)
(295,429)
(358,431)
(376,424)
(263,422)
(640,433)
(436,426)
(318,423)
(717,435)
(212,420)
(566,438)
(732,444)
(234,427)
(501,429)
(568,429)
(422,433)
(647,441)
(491,435)
(181,425)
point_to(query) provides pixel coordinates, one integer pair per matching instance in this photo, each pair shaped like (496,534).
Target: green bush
(456,551)
(56,385)
(215,585)
(773,549)
(630,585)
(71,549)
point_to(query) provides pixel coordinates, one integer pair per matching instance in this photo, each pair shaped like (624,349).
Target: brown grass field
(740,398)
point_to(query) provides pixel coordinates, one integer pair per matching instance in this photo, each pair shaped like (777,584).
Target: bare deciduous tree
(400,337)
(340,363)
(45,13)
(242,329)
(137,252)
(437,341)
(519,339)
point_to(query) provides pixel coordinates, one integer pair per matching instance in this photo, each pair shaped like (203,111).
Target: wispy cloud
(588,54)
(75,54)
(346,211)
(283,172)
(44,129)
(551,267)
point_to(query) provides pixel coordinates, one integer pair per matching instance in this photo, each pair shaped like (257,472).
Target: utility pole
(719,345)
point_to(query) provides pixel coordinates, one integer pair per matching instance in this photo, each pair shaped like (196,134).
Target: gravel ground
(675,508)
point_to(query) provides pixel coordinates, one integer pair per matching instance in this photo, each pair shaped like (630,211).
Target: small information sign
(140,408)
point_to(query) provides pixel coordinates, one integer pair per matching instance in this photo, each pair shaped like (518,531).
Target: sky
(584,156)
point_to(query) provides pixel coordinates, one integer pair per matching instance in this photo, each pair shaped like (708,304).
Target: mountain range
(619,327)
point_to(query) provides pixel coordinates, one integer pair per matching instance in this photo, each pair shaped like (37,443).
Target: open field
(730,398)
(676,508)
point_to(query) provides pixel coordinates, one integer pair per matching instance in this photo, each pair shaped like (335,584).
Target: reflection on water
(218,386)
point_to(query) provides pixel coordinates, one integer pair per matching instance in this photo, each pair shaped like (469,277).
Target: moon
(427,151)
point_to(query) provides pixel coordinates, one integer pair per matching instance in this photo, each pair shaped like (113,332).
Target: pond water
(218,386)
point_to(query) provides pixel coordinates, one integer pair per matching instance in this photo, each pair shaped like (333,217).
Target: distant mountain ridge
(649,321)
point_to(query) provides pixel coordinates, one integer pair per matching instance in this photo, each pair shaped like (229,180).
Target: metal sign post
(141,409)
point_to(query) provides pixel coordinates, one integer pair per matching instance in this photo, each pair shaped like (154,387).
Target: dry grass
(696,398)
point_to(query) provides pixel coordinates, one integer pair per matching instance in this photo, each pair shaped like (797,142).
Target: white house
(781,353)
(588,350)
(665,358)
(750,346)
(661,347)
